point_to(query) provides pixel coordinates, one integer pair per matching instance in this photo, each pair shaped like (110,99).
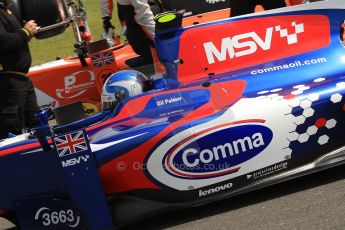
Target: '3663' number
(49,217)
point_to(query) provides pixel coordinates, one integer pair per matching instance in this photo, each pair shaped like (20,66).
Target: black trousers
(142,46)
(18,104)
(240,7)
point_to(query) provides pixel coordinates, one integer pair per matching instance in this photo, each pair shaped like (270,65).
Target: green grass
(49,49)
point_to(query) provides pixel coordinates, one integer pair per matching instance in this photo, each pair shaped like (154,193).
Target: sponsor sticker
(74,161)
(267,170)
(239,44)
(249,136)
(90,108)
(216,151)
(45,101)
(76,84)
(206,192)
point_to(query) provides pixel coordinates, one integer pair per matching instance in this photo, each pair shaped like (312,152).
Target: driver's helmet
(121,85)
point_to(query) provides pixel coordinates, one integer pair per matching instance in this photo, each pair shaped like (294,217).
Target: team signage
(235,45)
(232,145)
(193,157)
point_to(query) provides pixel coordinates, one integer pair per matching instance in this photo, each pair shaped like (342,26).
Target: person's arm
(144,16)
(14,41)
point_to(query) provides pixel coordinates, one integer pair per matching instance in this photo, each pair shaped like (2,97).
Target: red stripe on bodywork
(19,149)
(123,174)
(131,109)
(232,170)
(136,106)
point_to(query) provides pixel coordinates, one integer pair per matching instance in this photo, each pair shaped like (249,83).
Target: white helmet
(121,85)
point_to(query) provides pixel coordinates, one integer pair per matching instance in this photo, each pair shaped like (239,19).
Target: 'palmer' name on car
(168,101)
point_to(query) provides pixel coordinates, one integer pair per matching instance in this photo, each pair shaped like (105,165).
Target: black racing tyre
(45,13)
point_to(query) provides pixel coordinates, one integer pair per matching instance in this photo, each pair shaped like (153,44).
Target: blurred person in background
(137,17)
(18,104)
(241,7)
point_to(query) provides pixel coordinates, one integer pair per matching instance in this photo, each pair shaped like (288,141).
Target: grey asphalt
(312,202)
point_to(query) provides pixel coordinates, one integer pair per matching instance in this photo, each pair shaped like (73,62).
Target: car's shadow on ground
(187,215)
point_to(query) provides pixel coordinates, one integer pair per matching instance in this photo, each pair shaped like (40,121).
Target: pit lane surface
(312,202)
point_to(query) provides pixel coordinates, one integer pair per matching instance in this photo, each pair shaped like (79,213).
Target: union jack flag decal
(101,59)
(70,143)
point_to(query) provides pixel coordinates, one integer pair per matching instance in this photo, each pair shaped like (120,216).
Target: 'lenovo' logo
(248,43)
